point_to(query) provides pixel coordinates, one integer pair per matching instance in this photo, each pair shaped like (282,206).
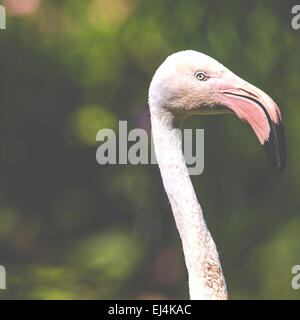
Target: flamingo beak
(255,107)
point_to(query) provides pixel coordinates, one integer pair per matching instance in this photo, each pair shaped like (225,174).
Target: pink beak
(258,110)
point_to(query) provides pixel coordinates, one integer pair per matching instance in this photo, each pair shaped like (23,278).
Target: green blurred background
(72,229)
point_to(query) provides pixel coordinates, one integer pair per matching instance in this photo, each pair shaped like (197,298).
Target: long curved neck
(206,280)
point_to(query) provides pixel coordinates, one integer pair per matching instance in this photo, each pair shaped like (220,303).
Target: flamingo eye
(201,75)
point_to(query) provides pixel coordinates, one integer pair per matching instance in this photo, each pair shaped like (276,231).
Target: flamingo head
(190,82)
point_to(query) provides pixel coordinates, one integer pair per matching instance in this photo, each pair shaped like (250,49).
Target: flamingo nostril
(250,93)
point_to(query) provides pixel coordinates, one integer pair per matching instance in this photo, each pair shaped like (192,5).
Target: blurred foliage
(71,229)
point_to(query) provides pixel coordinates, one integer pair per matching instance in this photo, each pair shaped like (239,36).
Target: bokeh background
(72,229)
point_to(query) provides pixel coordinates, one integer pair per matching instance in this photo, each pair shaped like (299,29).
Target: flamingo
(186,83)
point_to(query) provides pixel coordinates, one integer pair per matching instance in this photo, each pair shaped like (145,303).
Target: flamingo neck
(206,280)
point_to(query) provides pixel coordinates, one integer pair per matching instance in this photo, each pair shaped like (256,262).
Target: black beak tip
(275,147)
(279,167)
